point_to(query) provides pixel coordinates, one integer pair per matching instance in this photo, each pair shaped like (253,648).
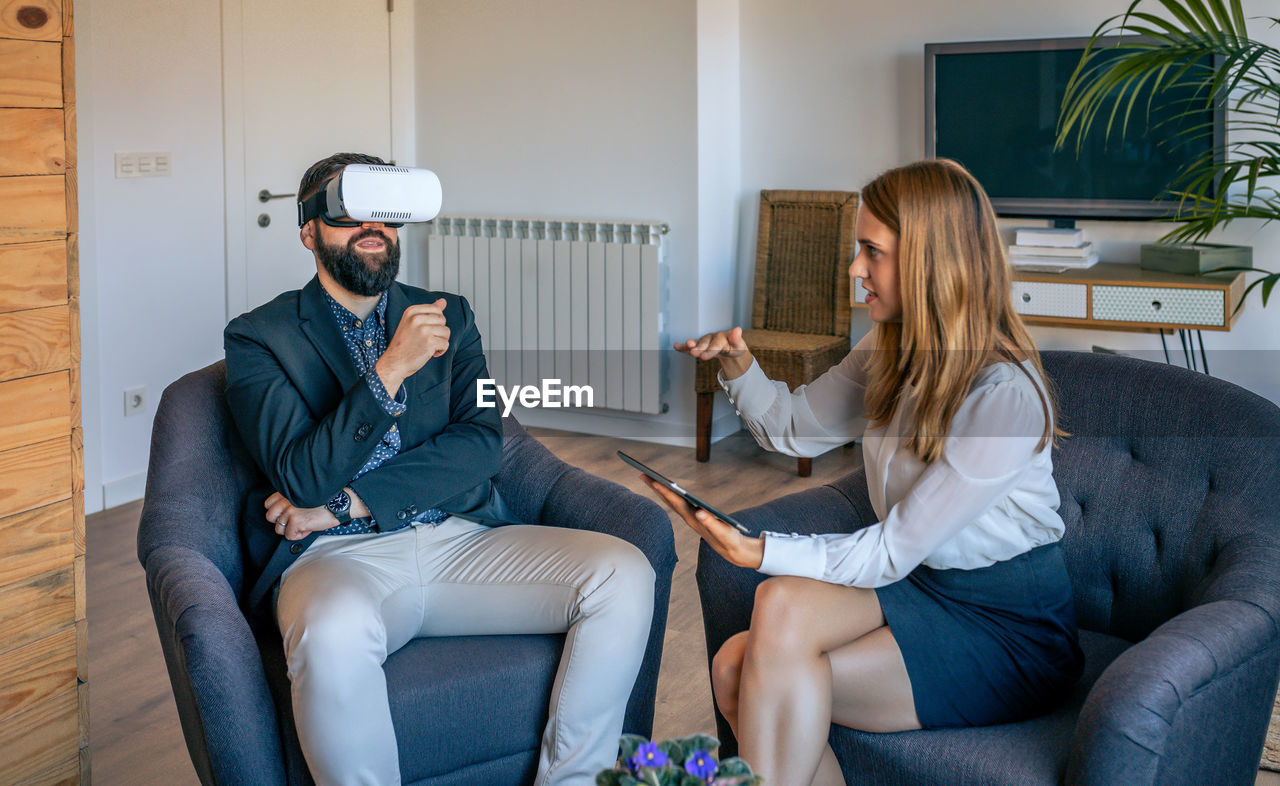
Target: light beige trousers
(350,600)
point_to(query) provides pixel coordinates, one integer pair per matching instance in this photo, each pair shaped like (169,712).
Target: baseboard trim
(124,490)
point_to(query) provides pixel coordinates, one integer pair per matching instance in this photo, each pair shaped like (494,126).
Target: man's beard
(349,268)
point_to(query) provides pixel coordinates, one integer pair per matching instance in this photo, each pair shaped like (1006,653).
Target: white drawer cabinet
(1186,307)
(1121,297)
(1045,299)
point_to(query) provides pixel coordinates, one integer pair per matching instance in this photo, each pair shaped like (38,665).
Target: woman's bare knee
(778,620)
(726,674)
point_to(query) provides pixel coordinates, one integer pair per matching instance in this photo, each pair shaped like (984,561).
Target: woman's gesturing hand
(741,550)
(725,345)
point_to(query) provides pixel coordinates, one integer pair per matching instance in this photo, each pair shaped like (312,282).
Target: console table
(1125,297)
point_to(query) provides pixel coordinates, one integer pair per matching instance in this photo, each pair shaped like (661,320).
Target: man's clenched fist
(421,335)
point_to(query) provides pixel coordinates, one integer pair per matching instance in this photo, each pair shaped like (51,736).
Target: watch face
(339,504)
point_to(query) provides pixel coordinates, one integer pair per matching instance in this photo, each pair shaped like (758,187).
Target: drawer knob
(1026,297)
(1156,304)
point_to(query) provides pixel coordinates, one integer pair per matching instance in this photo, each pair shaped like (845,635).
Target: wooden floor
(133,722)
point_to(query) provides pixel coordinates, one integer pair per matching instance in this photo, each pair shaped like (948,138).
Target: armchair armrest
(580,500)
(540,488)
(1183,704)
(227,712)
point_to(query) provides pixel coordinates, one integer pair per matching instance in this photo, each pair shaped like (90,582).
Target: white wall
(574,109)
(673,111)
(719,159)
(151,249)
(833,93)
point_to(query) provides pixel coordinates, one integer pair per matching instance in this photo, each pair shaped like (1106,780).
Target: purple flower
(648,755)
(700,764)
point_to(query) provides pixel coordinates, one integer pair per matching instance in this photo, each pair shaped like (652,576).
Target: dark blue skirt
(990,645)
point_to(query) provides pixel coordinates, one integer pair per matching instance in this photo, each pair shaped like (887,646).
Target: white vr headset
(392,195)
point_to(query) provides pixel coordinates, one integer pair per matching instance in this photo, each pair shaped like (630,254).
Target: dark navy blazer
(310,421)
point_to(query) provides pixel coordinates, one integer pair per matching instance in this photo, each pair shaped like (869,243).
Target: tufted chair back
(1163,490)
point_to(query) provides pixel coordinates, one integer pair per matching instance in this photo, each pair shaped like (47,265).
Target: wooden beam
(34,342)
(42,744)
(77,460)
(73,264)
(37,541)
(35,475)
(71,200)
(77,518)
(80,601)
(73,385)
(37,672)
(37,607)
(35,20)
(68,71)
(34,409)
(32,142)
(34,275)
(30,73)
(33,208)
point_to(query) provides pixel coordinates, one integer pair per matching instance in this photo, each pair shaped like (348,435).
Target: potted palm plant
(1201,48)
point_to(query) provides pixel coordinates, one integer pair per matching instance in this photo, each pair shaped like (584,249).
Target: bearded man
(356,397)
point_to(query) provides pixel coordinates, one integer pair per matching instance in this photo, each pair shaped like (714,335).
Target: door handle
(266,196)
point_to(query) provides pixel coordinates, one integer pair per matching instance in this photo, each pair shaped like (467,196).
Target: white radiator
(576,301)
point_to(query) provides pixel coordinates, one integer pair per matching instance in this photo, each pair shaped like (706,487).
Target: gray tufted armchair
(1170,487)
(467,709)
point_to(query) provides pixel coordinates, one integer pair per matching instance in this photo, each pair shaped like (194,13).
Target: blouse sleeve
(814,418)
(992,440)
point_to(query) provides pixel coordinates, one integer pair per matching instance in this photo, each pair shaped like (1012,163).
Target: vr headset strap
(312,207)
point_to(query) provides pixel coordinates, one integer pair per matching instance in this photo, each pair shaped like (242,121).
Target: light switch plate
(155,164)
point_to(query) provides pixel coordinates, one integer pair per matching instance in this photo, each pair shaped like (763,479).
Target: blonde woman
(955,608)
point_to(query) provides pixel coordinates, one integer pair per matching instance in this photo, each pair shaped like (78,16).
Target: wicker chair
(800,310)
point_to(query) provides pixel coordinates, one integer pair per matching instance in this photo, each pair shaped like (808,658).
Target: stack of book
(1051,250)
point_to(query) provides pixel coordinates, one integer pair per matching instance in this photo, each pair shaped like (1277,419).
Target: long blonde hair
(954,284)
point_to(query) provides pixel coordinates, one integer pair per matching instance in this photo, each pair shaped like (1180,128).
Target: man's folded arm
(305,459)
(466,453)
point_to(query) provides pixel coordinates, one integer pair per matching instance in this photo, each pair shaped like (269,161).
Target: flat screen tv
(993,106)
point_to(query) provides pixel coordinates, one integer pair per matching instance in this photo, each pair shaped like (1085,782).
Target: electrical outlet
(144,164)
(135,401)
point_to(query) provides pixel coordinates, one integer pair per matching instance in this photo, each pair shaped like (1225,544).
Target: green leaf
(1270,283)
(733,766)
(674,750)
(609,778)
(689,779)
(701,742)
(628,744)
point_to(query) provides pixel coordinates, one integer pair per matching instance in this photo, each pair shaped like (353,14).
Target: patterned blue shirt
(366,340)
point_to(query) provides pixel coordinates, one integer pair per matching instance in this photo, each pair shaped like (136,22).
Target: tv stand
(1123,297)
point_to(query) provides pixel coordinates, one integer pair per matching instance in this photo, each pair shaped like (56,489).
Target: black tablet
(692,500)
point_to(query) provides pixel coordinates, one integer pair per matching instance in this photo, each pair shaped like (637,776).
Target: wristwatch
(340,507)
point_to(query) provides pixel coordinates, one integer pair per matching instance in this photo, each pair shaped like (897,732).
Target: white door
(311,78)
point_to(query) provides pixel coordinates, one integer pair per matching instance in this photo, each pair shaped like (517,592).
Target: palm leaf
(1192,55)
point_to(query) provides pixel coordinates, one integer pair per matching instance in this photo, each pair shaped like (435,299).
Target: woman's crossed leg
(816,654)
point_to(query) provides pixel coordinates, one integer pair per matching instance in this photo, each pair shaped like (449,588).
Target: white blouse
(990,497)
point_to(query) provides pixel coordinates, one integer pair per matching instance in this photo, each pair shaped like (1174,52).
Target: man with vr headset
(356,396)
